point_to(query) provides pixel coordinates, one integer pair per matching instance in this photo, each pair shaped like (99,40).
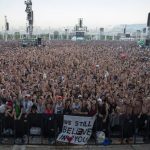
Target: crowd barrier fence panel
(49,126)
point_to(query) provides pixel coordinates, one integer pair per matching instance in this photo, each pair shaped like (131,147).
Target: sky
(64,13)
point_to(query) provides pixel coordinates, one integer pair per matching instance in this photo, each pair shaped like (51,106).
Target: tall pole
(6,28)
(49,35)
(14,36)
(100,35)
(66,32)
(105,37)
(113,37)
(3,32)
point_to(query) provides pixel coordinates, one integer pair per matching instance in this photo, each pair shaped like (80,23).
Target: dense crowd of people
(107,79)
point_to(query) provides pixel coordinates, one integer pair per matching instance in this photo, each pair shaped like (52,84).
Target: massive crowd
(104,78)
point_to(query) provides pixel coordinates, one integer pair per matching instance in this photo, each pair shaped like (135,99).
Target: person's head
(146,101)
(80,97)
(77,101)
(39,101)
(14,98)
(34,109)
(99,101)
(59,99)
(49,105)
(27,97)
(85,86)
(9,104)
(86,95)
(67,102)
(34,97)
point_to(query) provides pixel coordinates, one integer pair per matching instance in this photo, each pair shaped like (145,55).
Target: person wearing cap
(9,116)
(58,106)
(9,109)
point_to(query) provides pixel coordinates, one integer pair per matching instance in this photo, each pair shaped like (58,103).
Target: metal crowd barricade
(35,126)
(47,127)
(142,130)
(115,129)
(1,126)
(148,130)
(7,129)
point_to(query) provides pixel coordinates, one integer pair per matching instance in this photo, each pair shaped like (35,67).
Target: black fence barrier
(44,129)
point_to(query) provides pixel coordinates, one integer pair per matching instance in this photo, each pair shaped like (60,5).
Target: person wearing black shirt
(67,109)
(102,120)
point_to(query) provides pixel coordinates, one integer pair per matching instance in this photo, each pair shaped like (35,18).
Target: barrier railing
(47,128)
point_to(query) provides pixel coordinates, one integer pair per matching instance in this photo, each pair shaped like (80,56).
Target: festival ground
(112,147)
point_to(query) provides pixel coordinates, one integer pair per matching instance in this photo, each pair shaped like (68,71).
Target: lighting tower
(29,12)
(6,28)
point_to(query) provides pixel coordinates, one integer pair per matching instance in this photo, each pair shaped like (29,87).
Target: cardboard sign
(76,129)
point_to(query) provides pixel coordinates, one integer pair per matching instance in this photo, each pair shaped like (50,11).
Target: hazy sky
(63,13)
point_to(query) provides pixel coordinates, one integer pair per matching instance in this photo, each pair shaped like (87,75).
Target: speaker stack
(148,20)
(147,42)
(39,41)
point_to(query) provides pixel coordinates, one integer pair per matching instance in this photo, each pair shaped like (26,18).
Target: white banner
(76,129)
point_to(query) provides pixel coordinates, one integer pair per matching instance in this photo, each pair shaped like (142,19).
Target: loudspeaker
(147,42)
(23,45)
(148,20)
(101,29)
(39,41)
(127,35)
(80,23)
(144,30)
(80,34)
(7,26)
(124,30)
